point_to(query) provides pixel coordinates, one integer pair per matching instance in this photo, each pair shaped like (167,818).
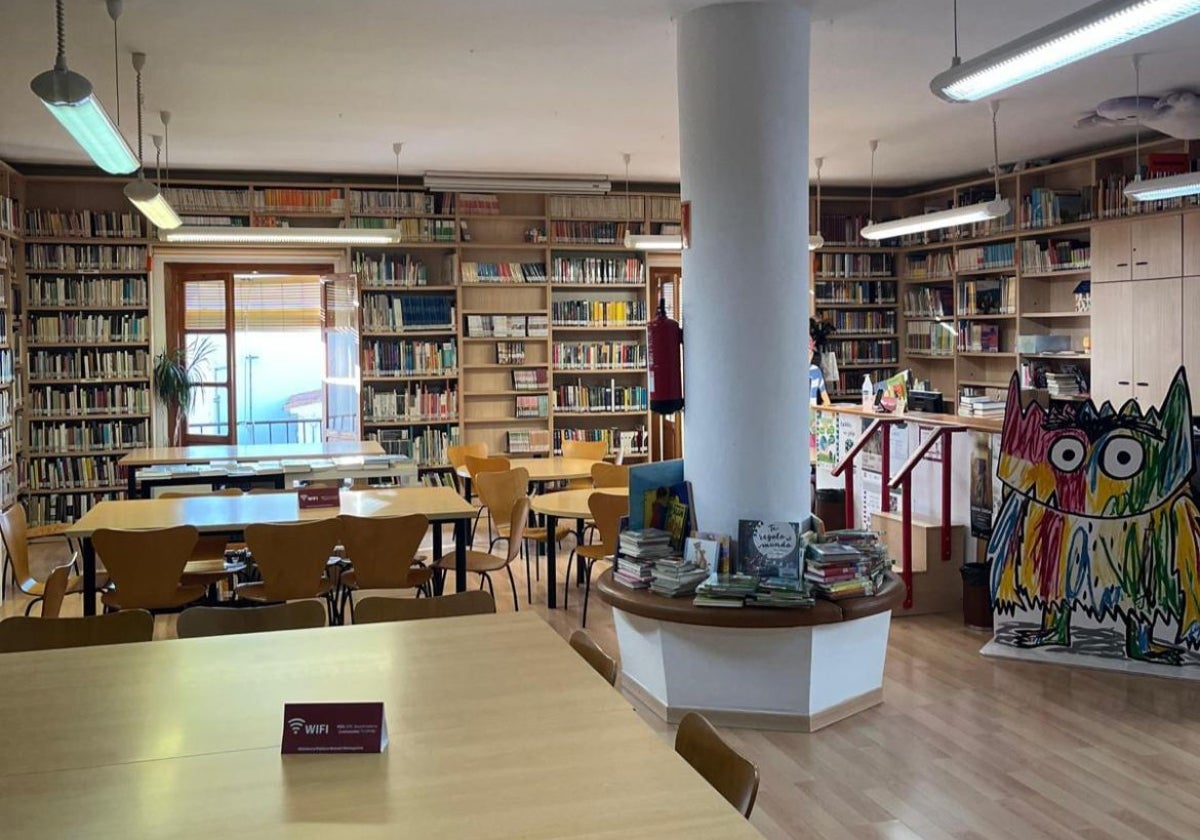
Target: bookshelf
(11,391)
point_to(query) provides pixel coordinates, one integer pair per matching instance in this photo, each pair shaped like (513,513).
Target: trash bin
(830,508)
(977,595)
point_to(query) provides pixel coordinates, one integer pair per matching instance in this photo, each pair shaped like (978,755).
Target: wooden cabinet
(1191,244)
(1112,252)
(1112,341)
(1191,335)
(1157,338)
(1157,247)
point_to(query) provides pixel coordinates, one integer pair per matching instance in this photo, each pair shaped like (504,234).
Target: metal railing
(265,431)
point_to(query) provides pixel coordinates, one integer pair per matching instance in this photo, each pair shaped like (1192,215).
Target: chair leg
(512,580)
(29,606)
(528,577)
(587,590)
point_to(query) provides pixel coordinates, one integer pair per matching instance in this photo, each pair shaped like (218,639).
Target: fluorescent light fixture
(233,235)
(499,182)
(984,211)
(1099,27)
(654,241)
(147,198)
(816,241)
(1160,189)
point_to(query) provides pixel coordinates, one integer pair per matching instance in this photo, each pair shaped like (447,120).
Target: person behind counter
(816,379)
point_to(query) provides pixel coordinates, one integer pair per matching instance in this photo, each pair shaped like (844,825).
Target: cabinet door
(1191,336)
(1112,247)
(1157,338)
(1191,244)
(1157,248)
(1112,342)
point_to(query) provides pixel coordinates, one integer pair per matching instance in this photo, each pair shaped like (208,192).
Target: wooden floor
(963,747)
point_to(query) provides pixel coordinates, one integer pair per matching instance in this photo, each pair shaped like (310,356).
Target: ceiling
(541,85)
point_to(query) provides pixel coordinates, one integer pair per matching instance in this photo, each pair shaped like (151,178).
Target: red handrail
(885,502)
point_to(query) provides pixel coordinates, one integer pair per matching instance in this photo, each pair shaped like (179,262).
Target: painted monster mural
(1098,523)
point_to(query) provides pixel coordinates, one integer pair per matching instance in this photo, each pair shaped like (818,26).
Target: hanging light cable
(1154,189)
(145,196)
(397,148)
(815,239)
(114,11)
(645,241)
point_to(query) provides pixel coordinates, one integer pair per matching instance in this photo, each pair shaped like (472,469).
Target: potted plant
(176,380)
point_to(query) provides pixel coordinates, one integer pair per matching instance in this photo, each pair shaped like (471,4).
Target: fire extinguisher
(664,340)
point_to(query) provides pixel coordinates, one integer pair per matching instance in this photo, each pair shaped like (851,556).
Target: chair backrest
(595,656)
(607,510)
(375,610)
(21,633)
(495,463)
(292,556)
(55,591)
(382,548)
(499,491)
(146,565)
(610,475)
(195,622)
(14,529)
(733,776)
(518,519)
(178,494)
(457,455)
(591,450)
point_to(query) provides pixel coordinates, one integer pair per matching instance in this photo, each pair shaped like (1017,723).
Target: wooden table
(541,470)
(231,514)
(497,729)
(565,504)
(165,455)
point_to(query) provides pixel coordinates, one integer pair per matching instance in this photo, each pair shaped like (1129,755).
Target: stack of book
(674,576)
(636,574)
(1062,385)
(782,592)
(847,564)
(980,406)
(725,591)
(637,553)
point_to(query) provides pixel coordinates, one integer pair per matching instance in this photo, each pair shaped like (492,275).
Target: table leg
(439,578)
(461,528)
(89,576)
(551,562)
(130,483)
(467,489)
(580,576)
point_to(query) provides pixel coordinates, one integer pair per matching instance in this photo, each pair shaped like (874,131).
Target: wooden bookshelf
(12,461)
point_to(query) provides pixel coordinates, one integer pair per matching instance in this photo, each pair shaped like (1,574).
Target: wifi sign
(333,728)
(296,724)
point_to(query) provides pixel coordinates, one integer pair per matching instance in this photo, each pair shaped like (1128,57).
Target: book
(664,507)
(769,549)
(702,553)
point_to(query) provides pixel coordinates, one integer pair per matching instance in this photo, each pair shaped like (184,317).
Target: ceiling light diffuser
(1099,27)
(150,201)
(997,208)
(654,241)
(277,236)
(1161,189)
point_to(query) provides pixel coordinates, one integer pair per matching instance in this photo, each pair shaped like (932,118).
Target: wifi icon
(296,724)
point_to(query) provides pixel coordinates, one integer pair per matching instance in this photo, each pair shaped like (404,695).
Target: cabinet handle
(1141,262)
(1122,381)
(1122,265)
(1143,384)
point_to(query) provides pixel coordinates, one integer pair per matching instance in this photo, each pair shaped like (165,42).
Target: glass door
(339,296)
(209,351)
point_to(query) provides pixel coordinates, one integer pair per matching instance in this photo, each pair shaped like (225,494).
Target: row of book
(597,270)
(872,351)
(1067,382)
(528,441)
(85,257)
(6,452)
(411,230)
(53,438)
(88,400)
(592,233)
(928,302)
(282,199)
(842,230)
(507,326)
(974,337)
(8,214)
(664,207)
(1064,255)
(1111,202)
(208,199)
(514,272)
(396,313)
(863,322)
(426,447)
(852,381)
(598,313)
(598,355)
(1045,207)
(73,473)
(854,265)
(989,296)
(629,441)
(986,257)
(929,266)
(409,358)
(89,364)
(88,291)
(6,367)
(389,270)
(61,507)
(215,221)
(510,352)
(98,223)
(478,204)
(604,207)
(856,292)
(600,398)
(846,564)
(530,379)
(532,405)
(415,403)
(403,202)
(78,328)
(929,337)
(6,406)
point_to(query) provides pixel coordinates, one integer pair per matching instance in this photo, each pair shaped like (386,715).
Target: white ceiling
(540,85)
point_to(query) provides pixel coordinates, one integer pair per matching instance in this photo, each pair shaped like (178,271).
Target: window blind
(277,303)
(204,305)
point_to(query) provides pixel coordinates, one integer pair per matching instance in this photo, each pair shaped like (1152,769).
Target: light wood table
(541,470)
(231,514)
(496,729)
(175,455)
(565,504)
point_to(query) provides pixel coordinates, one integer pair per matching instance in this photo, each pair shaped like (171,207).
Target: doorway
(666,430)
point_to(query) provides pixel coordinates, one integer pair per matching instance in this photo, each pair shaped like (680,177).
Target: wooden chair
(292,558)
(607,510)
(500,491)
(610,475)
(24,633)
(195,622)
(382,551)
(55,591)
(588,450)
(457,456)
(14,531)
(721,765)
(595,656)
(146,567)
(207,565)
(476,466)
(483,564)
(376,610)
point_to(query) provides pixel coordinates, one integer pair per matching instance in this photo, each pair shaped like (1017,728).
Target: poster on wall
(824,438)
(924,433)
(849,428)
(898,453)
(982,498)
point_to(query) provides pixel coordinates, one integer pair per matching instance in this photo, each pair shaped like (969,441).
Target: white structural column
(743,126)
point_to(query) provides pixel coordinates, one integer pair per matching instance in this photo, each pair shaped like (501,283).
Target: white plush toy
(1177,114)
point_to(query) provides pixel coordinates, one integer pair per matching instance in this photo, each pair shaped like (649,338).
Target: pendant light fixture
(646,241)
(1154,189)
(984,211)
(1099,27)
(69,96)
(145,196)
(816,240)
